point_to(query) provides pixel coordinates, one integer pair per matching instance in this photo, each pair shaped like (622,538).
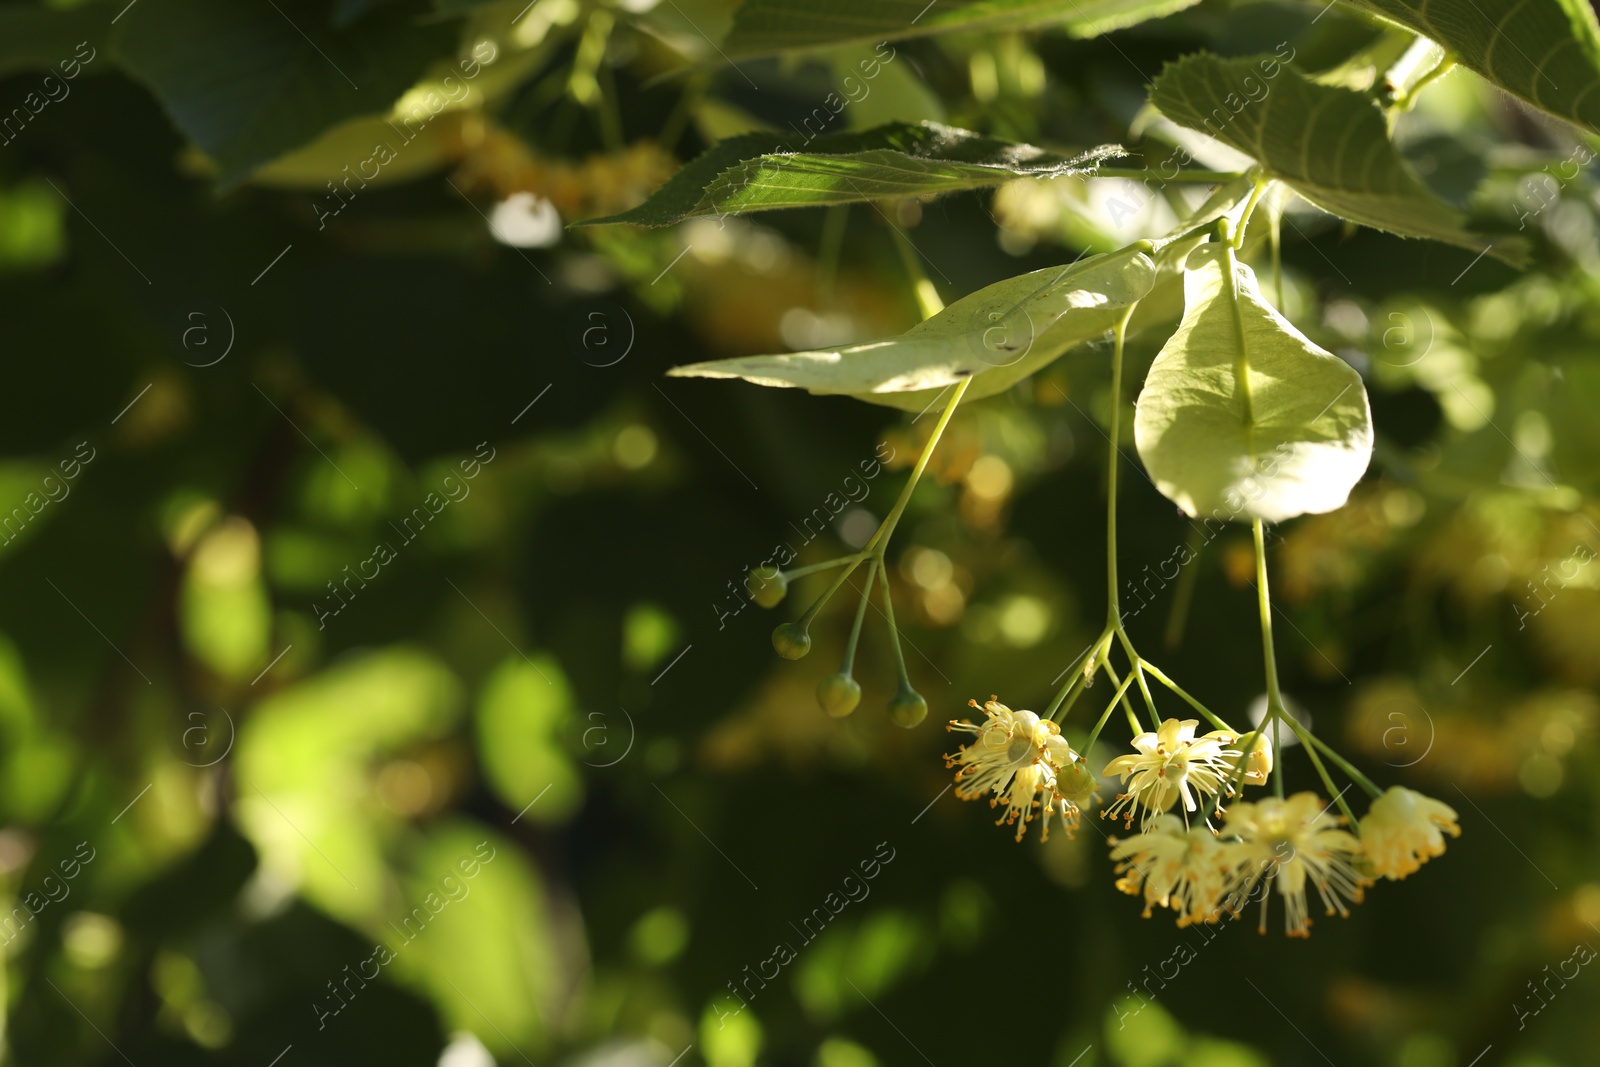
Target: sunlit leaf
(35,760)
(1330,144)
(225,613)
(522,715)
(305,792)
(1545,51)
(477,934)
(31,230)
(1254,424)
(762,27)
(765,171)
(649,634)
(1000,334)
(1140,1033)
(734,1040)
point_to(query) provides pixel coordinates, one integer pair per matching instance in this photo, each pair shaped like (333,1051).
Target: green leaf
(1546,52)
(762,27)
(224,611)
(1241,417)
(42,38)
(764,171)
(478,931)
(248,82)
(305,761)
(522,713)
(1330,144)
(1002,333)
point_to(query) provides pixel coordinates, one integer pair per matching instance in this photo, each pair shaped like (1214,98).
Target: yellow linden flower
(1403,830)
(1285,844)
(1006,741)
(1177,867)
(1259,766)
(1169,764)
(1023,795)
(1016,756)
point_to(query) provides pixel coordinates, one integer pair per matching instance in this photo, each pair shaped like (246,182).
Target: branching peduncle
(878,545)
(861,615)
(1113,605)
(894,631)
(1264,603)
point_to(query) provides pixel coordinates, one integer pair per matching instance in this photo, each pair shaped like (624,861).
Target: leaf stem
(1275,218)
(1407,100)
(1241,366)
(1262,184)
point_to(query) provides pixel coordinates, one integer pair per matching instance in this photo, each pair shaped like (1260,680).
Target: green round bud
(1076,782)
(838,694)
(791,640)
(907,709)
(767,586)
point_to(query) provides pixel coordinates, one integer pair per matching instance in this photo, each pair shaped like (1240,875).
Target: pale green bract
(1294,442)
(998,335)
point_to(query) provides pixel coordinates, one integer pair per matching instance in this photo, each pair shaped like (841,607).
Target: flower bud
(1076,782)
(838,694)
(907,709)
(766,586)
(1258,765)
(791,640)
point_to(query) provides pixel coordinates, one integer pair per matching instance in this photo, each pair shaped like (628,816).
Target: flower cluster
(1022,762)
(1201,870)
(1292,845)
